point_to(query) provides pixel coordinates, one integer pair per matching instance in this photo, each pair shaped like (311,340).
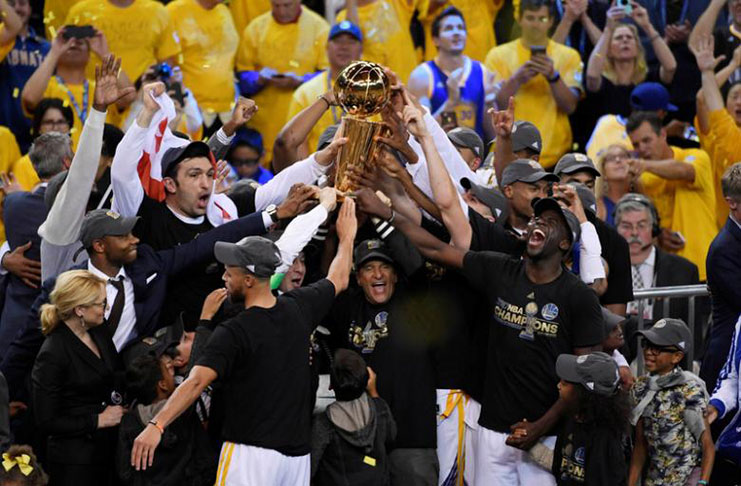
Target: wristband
(321,97)
(159,427)
(555,78)
(703,482)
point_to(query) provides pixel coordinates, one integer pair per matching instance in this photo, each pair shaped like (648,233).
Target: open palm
(107,90)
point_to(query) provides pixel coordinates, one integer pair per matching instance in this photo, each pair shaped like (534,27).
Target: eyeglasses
(652,348)
(615,158)
(103,304)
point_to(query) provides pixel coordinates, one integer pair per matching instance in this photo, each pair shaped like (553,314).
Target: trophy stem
(360,151)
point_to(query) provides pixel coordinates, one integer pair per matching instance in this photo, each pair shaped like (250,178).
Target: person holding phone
(544,78)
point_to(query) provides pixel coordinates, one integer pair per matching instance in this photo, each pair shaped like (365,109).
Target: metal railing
(662,295)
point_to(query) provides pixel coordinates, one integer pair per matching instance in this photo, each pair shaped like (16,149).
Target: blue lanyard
(82,114)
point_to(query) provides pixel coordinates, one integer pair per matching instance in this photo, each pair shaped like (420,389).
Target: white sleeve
(590,255)
(63,222)
(193,118)
(297,235)
(457,167)
(128,192)
(619,359)
(4,250)
(726,393)
(276,189)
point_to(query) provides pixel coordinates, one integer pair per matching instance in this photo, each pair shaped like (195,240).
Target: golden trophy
(362,89)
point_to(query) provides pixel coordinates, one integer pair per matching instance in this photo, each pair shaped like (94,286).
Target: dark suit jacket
(149,274)
(71,386)
(724,279)
(23,213)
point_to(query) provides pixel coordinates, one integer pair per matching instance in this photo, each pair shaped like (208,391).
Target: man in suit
(637,222)
(23,213)
(724,279)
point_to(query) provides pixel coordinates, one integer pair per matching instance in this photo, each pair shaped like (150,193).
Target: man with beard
(538,311)
(263,351)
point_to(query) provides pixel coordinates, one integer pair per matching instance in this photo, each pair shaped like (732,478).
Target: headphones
(644,201)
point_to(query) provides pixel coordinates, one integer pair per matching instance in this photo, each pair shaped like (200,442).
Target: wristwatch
(555,78)
(272,211)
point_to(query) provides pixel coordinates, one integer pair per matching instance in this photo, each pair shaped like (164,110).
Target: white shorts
(244,465)
(498,464)
(457,421)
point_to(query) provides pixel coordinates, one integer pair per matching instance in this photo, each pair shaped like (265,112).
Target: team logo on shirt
(366,338)
(549,311)
(525,319)
(572,462)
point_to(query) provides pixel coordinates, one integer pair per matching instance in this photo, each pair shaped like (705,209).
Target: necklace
(81,113)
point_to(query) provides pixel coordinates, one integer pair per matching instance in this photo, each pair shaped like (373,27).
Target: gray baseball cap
(669,332)
(597,372)
(587,197)
(525,170)
(575,162)
(256,254)
(525,135)
(611,320)
(493,198)
(104,222)
(572,223)
(466,138)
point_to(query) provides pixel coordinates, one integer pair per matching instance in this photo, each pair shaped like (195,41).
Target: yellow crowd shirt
(55,12)
(299,47)
(306,95)
(687,207)
(209,44)
(140,34)
(9,153)
(24,173)
(479,20)
(245,11)
(386,36)
(534,100)
(609,130)
(723,145)
(7,47)
(72,95)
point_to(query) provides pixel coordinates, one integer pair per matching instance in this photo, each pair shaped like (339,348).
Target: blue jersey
(17,67)
(470,110)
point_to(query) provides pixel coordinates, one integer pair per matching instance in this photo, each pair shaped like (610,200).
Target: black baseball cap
(611,320)
(156,345)
(525,170)
(173,156)
(575,162)
(493,198)
(464,137)
(256,254)
(587,197)
(525,135)
(104,222)
(540,205)
(373,249)
(597,372)
(669,332)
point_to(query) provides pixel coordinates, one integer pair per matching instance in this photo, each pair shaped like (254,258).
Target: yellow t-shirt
(24,173)
(9,153)
(723,145)
(7,47)
(609,130)
(534,100)
(306,95)
(55,12)
(479,25)
(386,36)
(209,42)
(687,207)
(245,11)
(77,91)
(298,47)
(140,34)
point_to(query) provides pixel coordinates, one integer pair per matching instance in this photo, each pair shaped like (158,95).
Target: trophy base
(360,151)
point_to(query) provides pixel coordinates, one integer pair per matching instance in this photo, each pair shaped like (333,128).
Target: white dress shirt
(124,331)
(646,270)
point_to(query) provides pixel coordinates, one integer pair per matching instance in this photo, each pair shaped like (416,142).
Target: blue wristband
(703,482)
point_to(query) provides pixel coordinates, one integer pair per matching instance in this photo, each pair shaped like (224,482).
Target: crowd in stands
(188,298)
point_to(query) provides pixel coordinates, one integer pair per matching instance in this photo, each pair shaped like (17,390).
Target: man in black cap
(538,311)
(522,181)
(469,145)
(576,167)
(263,351)
(489,203)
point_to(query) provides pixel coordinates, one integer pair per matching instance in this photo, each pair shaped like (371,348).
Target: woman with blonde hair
(76,399)
(615,181)
(618,64)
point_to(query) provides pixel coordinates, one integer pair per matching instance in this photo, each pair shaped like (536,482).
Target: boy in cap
(669,405)
(576,167)
(349,439)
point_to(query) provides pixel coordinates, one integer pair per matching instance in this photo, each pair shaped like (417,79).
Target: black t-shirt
(725,43)
(262,359)
(531,325)
(395,340)
(488,236)
(161,229)
(591,456)
(616,252)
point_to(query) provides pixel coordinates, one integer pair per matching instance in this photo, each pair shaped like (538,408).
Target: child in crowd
(672,433)
(349,439)
(184,457)
(589,448)
(20,468)
(613,343)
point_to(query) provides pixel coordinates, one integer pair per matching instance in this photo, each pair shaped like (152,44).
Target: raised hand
(369,203)
(243,112)
(347,222)
(328,198)
(151,91)
(328,155)
(412,117)
(614,15)
(222,172)
(503,120)
(212,303)
(293,203)
(107,91)
(704,52)
(60,44)
(99,44)
(640,16)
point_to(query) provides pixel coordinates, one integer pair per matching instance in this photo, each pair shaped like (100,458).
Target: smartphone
(626,6)
(537,50)
(78,31)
